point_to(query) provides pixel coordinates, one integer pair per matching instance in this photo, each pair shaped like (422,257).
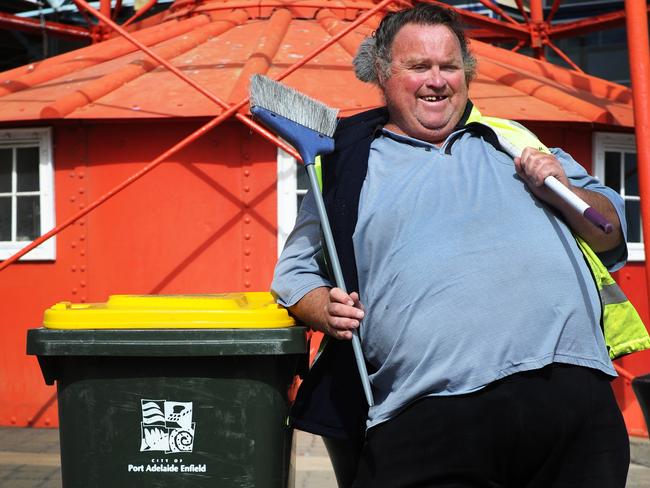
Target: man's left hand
(534,167)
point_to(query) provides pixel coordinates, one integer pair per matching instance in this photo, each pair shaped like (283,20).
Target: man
(481,321)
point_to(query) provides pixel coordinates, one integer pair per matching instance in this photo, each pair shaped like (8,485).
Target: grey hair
(374,54)
(365,61)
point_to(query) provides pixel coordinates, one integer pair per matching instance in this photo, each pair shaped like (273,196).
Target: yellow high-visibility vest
(623,329)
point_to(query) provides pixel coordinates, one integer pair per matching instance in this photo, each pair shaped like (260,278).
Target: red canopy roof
(219,44)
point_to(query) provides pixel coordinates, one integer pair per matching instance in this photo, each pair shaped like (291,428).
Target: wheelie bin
(177,391)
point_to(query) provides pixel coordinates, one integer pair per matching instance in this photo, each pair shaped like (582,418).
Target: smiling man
(481,320)
(424,85)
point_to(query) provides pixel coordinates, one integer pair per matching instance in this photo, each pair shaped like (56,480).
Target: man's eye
(419,67)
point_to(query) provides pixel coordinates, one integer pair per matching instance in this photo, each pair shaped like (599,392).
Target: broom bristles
(293,105)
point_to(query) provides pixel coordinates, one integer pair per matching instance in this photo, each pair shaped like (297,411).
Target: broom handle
(338,277)
(551,182)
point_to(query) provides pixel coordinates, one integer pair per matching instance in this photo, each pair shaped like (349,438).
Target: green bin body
(173,407)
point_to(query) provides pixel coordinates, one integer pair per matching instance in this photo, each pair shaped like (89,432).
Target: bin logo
(167,426)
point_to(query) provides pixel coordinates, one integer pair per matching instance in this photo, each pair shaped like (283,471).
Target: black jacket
(330,401)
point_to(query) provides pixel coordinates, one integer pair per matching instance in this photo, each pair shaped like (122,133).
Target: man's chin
(435,131)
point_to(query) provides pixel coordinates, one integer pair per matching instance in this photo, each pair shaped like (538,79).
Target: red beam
(116,9)
(537,28)
(519,45)
(536,11)
(497,27)
(140,12)
(554,8)
(498,10)
(522,11)
(9,21)
(560,53)
(591,24)
(87,18)
(105,7)
(490,37)
(639,52)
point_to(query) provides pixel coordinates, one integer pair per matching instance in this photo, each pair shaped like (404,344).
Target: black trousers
(557,427)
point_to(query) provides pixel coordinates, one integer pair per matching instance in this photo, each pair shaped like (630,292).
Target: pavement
(29,458)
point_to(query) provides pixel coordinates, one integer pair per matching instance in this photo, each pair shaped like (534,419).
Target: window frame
(574,3)
(287,195)
(618,142)
(41,136)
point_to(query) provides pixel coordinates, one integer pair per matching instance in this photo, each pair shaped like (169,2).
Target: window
(292,187)
(615,165)
(26,192)
(475,7)
(591,3)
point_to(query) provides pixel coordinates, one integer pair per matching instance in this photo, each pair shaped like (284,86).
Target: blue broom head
(305,123)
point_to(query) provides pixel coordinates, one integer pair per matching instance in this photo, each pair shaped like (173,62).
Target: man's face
(426,92)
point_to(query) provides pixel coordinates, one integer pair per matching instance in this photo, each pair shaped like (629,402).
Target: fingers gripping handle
(338,276)
(590,213)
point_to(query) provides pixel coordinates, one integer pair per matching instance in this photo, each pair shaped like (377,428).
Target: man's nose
(435,78)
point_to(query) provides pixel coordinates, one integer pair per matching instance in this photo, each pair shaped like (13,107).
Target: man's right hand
(331,311)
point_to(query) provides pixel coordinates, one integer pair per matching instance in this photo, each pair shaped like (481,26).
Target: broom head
(292,105)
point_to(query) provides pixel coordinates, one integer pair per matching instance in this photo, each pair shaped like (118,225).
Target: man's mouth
(434,98)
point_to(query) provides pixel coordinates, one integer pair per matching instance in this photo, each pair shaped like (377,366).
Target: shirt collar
(379,129)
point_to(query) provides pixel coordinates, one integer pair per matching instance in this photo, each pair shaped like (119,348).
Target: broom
(308,125)
(589,213)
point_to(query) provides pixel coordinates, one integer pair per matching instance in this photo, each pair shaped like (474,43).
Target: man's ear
(381,74)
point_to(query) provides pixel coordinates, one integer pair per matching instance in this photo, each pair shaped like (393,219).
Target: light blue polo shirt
(466,277)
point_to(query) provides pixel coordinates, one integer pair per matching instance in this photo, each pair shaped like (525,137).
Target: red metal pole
(551,14)
(498,10)
(639,52)
(105,7)
(566,58)
(537,24)
(519,45)
(117,9)
(102,29)
(592,24)
(34,25)
(89,21)
(140,12)
(522,11)
(536,11)
(506,29)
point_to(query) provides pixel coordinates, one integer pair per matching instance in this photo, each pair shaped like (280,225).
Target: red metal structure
(637,32)
(9,21)
(204,221)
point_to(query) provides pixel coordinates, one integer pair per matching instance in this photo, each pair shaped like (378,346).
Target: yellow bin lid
(250,310)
